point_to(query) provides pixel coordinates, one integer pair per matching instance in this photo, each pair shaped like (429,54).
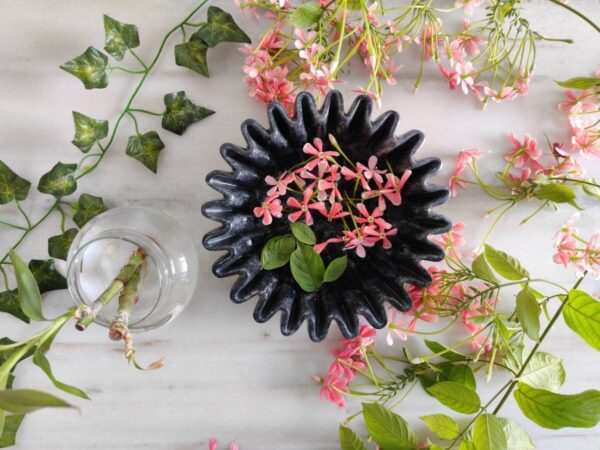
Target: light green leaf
(466,445)
(88,131)
(58,246)
(220,27)
(40,360)
(389,430)
(580,83)
(554,411)
(463,374)
(307,267)
(46,275)
(60,181)
(9,303)
(335,269)
(544,371)
(349,440)
(504,264)
(557,193)
(303,233)
(277,252)
(592,190)
(12,186)
(30,298)
(119,37)
(482,269)
(88,207)
(25,401)
(488,433)
(192,55)
(442,425)
(582,315)
(146,149)
(306,15)
(444,351)
(528,312)
(9,433)
(180,113)
(516,437)
(90,68)
(456,396)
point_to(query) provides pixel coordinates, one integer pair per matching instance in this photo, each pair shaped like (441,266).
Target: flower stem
(127,299)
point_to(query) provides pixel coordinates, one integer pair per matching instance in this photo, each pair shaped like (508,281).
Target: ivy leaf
(443,351)
(488,433)
(307,267)
(544,371)
(528,312)
(180,113)
(277,252)
(579,83)
(58,246)
(463,374)
(504,264)
(192,55)
(389,430)
(516,437)
(12,186)
(482,270)
(30,298)
(303,233)
(119,37)
(90,68)
(40,360)
(349,440)
(88,207)
(557,193)
(46,275)
(88,131)
(335,269)
(220,27)
(554,411)
(306,15)
(442,425)
(9,433)
(456,396)
(25,401)
(9,303)
(60,181)
(146,149)
(582,315)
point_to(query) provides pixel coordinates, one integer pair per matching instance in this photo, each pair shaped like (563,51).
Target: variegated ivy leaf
(90,68)
(192,55)
(58,246)
(146,149)
(60,181)
(180,113)
(119,37)
(12,186)
(88,207)
(220,27)
(88,131)
(9,303)
(46,275)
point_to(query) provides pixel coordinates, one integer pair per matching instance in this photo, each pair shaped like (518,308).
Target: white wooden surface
(227,376)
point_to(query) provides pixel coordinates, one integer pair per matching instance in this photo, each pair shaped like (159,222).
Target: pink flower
(335,240)
(371,172)
(349,174)
(319,156)
(583,99)
(332,389)
(478,309)
(212,445)
(376,217)
(526,152)
(586,141)
(336,211)
(270,207)
(279,185)
(380,234)
(430,39)
(330,183)
(468,42)
(464,158)
(303,209)
(507,93)
(452,239)
(468,5)
(465,73)
(396,327)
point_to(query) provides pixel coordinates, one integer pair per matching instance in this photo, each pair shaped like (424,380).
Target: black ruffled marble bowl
(368,283)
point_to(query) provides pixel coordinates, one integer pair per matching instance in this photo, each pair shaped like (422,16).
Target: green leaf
(582,315)
(335,269)
(389,430)
(516,437)
(40,360)
(277,252)
(306,15)
(504,264)
(444,351)
(580,83)
(303,233)
(349,440)
(456,396)
(466,445)
(557,193)
(88,131)
(58,246)
(220,27)
(9,433)
(528,312)
(488,433)
(60,181)
(30,298)
(25,401)
(463,374)
(90,68)
(46,275)
(180,113)
(12,186)
(442,425)
(307,267)
(482,270)
(9,303)
(544,371)
(146,149)
(192,55)
(589,189)
(119,37)
(554,411)
(88,207)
